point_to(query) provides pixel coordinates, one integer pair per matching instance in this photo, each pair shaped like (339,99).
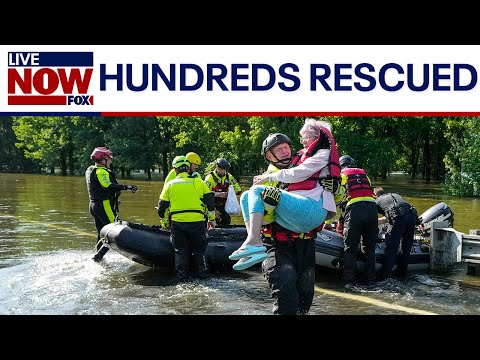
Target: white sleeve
(303,171)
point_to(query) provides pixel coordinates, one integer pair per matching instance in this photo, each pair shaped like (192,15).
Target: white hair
(313,126)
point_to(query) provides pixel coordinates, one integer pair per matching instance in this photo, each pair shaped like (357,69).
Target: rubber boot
(200,266)
(369,267)
(182,265)
(100,253)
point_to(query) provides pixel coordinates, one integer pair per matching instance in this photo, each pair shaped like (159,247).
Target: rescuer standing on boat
(103,191)
(185,196)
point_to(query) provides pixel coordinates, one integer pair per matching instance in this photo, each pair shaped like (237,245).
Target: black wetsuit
(290,271)
(103,195)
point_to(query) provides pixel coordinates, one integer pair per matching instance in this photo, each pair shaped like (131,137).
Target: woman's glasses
(304,138)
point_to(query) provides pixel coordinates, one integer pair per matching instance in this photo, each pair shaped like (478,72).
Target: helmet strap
(278,163)
(104,163)
(281,163)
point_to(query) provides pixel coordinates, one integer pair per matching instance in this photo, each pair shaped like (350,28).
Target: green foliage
(12,159)
(210,168)
(89,133)
(435,148)
(135,142)
(462,162)
(369,141)
(43,138)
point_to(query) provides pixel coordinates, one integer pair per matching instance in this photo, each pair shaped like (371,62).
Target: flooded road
(47,239)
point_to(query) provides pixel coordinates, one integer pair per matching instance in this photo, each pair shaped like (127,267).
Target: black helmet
(273,140)
(346,160)
(222,164)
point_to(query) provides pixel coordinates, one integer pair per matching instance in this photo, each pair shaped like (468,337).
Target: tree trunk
(165,166)
(427,157)
(71,161)
(63,163)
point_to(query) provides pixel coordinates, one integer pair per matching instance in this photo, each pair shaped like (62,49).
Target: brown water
(47,239)
(425,195)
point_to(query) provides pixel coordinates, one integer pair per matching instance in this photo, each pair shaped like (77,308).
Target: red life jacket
(357,184)
(324,141)
(280,234)
(219,187)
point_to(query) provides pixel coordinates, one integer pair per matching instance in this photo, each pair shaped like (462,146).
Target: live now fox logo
(49,78)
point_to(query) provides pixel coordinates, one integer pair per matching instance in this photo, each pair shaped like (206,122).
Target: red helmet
(100,153)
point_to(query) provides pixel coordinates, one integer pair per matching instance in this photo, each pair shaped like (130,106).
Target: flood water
(47,239)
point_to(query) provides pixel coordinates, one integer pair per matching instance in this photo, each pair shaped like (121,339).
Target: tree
(42,138)
(12,159)
(135,143)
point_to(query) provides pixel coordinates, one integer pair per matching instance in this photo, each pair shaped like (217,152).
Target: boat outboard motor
(439,212)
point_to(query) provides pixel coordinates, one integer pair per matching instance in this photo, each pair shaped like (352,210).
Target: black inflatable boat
(150,245)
